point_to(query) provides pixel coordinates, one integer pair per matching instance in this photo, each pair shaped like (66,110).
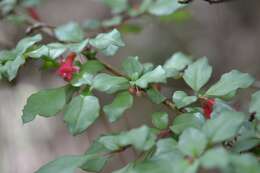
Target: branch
(47,29)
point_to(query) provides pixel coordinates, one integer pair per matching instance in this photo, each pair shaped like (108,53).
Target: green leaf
(155,96)
(120,104)
(215,158)
(198,74)
(223,127)
(157,75)
(110,84)
(86,73)
(81,112)
(219,107)
(247,139)
(245,163)
(140,138)
(192,142)
(46,103)
(176,63)
(255,104)
(11,68)
(70,32)
(132,67)
(52,50)
(92,67)
(64,164)
(12,60)
(117,6)
(230,82)
(186,120)
(112,22)
(181,99)
(24,44)
(108,43)
(77,47)
(160,120)
(164,7)
(148,67)
(97,158)
(166,148)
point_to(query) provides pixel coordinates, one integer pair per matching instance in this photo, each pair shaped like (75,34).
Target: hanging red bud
(207,107)
(67,68)
(33,13)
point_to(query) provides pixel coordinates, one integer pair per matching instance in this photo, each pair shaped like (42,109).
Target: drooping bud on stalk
(67,68)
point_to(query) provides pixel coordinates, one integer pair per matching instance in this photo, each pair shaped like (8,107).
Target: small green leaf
(81,112)
(255,104)
(186,120)
(132,67)
(223,127)
(215,158)
(86,73)
(198,74)
(96,158)
(157,75)
(160,120)
(108,43)
(176,63)
(110,84)
(117,6)
(112,22)
(77,47)
(120,104)
(181,99)
(164,7)
(13,59)
(46,103)
(52,50)
(141,138)
(155,96)
(148,67)
(70,32)
(192,142)
(245,163)
(230,82)
(24,44)
(82,79)
(64,164)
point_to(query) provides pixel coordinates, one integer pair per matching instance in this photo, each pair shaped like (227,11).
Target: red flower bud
(33,13)
(207,107)
(67,68)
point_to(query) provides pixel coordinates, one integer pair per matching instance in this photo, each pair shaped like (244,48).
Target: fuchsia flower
(67,68)
(33,13)
(207,107)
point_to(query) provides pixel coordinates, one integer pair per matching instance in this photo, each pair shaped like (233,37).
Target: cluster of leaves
(226,140)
